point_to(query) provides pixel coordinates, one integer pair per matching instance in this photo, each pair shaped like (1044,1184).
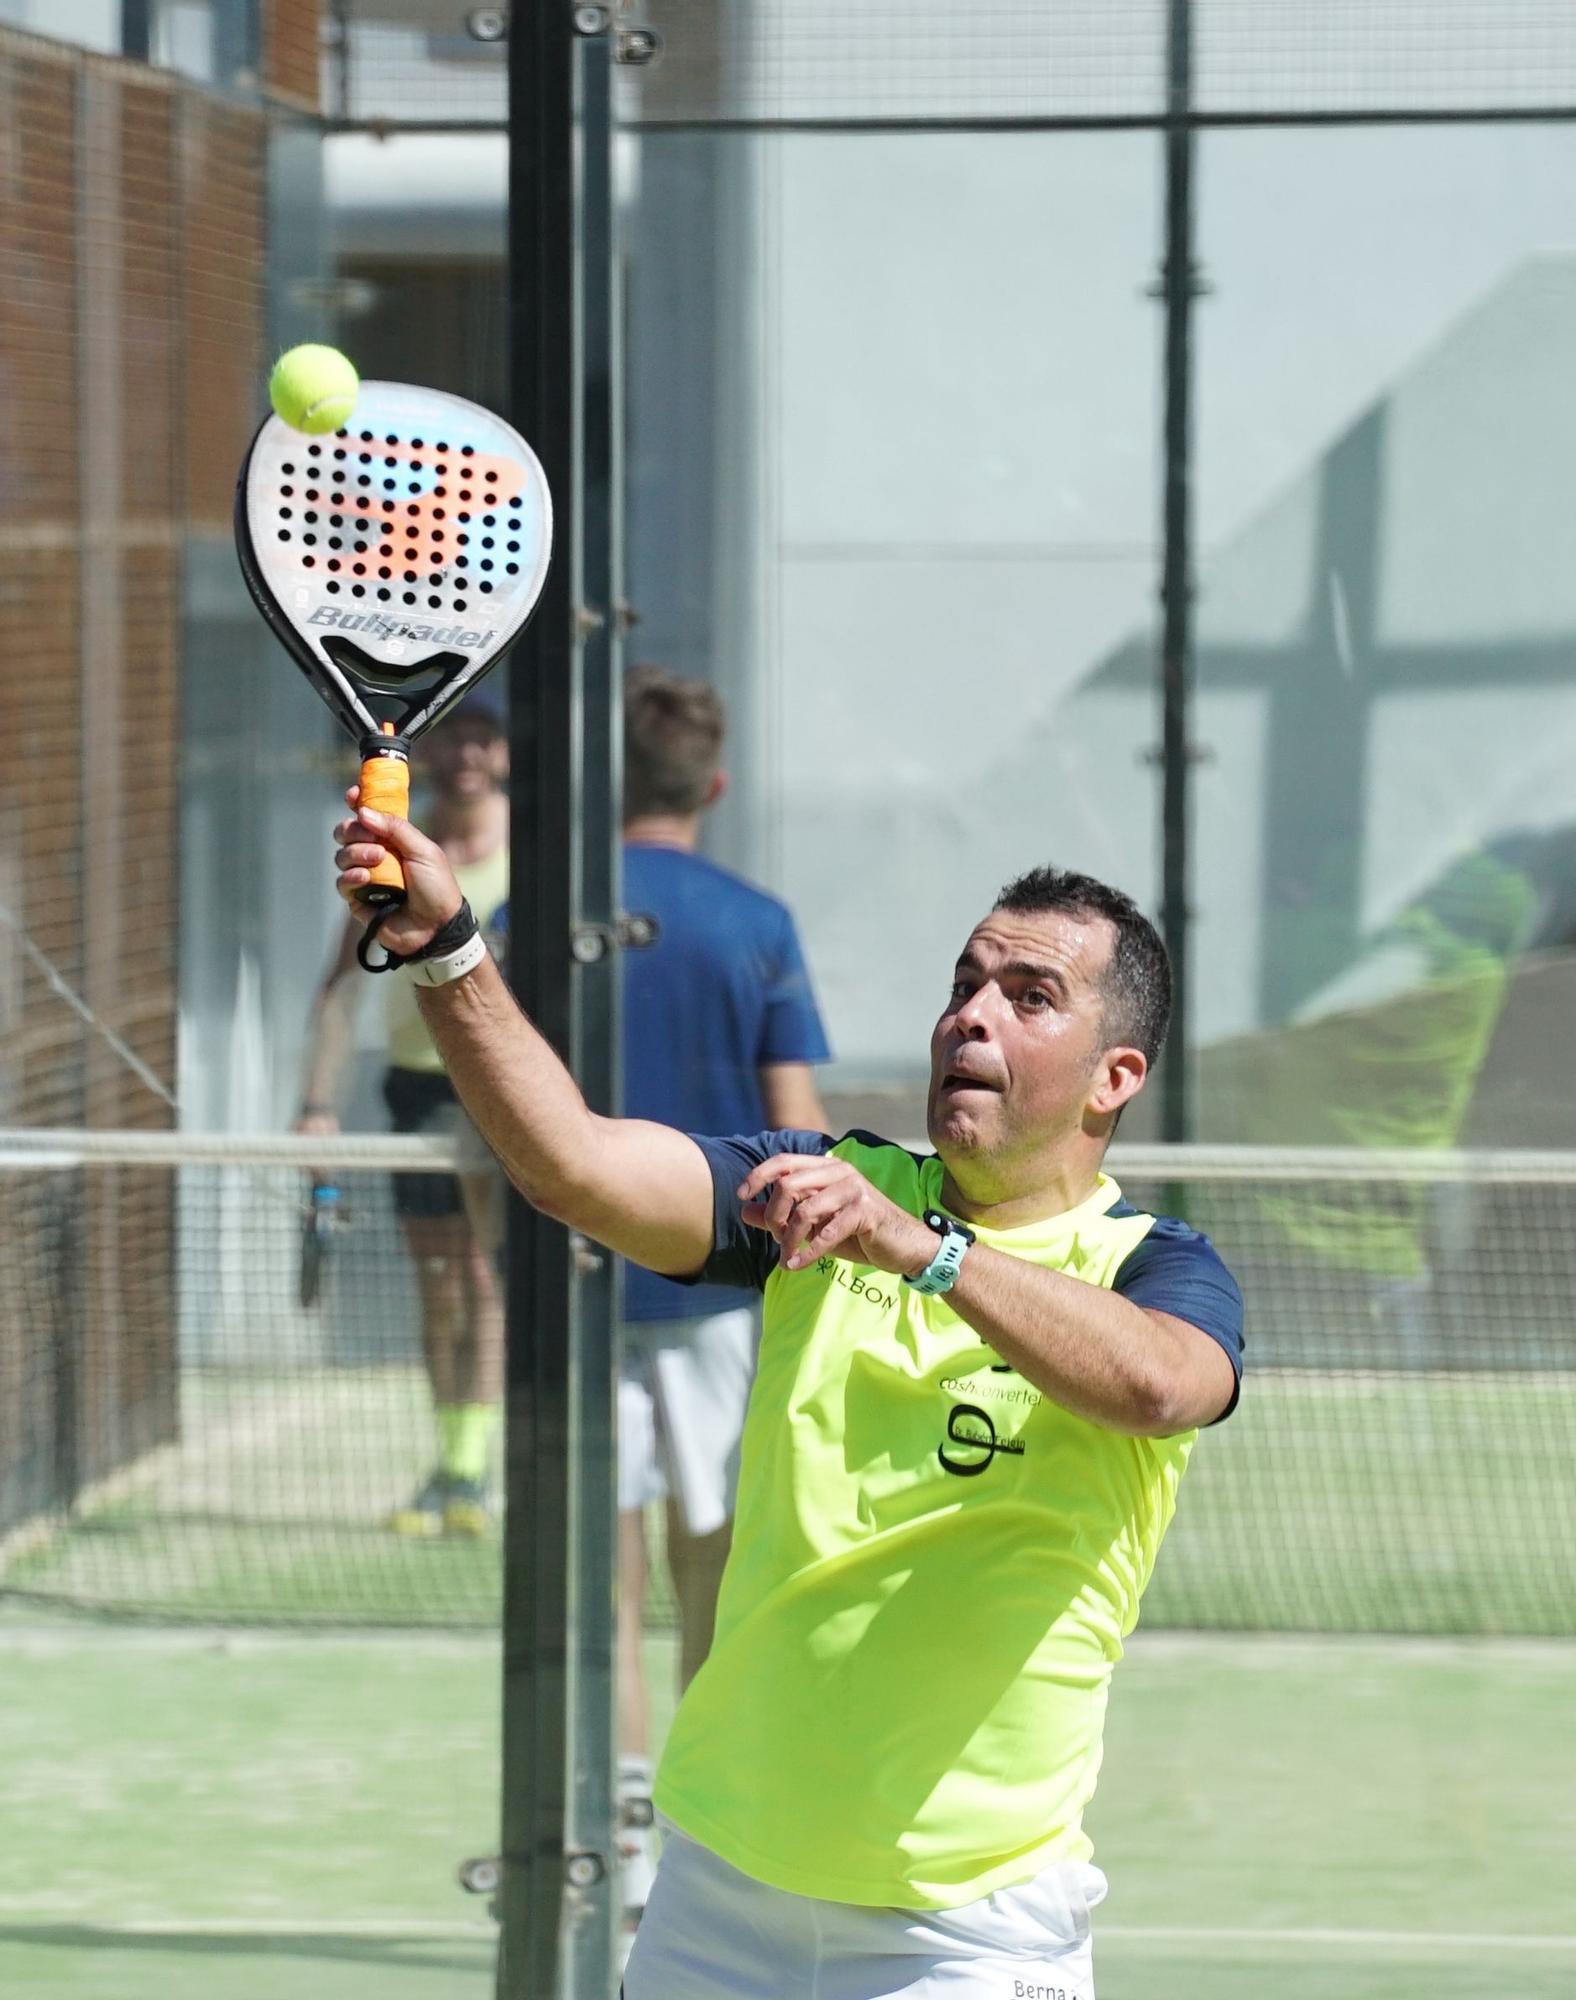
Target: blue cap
(476,706)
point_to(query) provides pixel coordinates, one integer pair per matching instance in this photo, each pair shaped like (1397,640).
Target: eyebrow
(1023,967)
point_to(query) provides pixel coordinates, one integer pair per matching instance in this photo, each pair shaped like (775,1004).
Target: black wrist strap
(460,929)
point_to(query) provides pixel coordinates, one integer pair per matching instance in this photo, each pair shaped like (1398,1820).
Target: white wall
(928,487)
(959,421)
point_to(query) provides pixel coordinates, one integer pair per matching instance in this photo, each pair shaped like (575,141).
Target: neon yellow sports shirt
(933,1569)
(484,885)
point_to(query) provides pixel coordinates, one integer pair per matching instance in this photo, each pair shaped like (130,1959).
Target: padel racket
(397,560)
(319,1219)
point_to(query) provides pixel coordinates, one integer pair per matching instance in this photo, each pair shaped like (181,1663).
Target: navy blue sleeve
(1175,1270)
(742,1256)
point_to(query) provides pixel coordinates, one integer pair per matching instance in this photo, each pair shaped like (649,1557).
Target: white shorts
(683,1386)
(710,1933)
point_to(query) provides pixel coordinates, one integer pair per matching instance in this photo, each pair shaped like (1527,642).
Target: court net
(181,1437)
(212,1395)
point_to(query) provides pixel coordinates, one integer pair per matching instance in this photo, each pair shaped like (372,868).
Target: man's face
(1018,1048)
(466,757)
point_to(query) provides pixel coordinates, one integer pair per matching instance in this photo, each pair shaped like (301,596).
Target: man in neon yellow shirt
(981,1375)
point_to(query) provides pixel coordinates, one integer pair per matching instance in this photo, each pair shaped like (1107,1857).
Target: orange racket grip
(385,786)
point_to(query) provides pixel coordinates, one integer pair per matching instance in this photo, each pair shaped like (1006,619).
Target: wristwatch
(941,1273)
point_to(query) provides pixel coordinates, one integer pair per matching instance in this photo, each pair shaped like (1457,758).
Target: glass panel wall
(1386,478)
(89,24)
(897,496)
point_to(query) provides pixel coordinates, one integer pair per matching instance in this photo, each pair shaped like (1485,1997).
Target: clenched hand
(818,1207)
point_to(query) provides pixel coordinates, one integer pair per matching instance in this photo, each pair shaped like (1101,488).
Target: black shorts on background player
(423,1101)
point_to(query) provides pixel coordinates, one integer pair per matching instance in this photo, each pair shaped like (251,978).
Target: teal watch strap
(941,1273)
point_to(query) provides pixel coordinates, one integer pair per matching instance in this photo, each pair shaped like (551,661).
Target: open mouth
(959,1080)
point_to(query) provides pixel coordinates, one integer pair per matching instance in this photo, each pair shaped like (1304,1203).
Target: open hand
(818,1207)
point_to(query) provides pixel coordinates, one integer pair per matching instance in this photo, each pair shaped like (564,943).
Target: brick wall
(131,330)
(290,51)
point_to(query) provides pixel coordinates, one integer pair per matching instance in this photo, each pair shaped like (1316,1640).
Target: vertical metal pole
(540,1276)
(237,44)
(592,1908)
(1176,663)
(558,1899)
(343,46)
(136,30)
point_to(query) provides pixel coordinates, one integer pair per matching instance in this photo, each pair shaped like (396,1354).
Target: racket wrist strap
(456,948)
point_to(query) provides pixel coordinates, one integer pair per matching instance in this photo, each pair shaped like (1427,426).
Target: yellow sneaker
(423,1514)
(465,1509)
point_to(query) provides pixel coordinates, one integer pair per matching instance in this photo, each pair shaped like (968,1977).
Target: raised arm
(643,1190)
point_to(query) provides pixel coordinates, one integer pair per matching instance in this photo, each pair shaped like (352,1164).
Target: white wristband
(453,965)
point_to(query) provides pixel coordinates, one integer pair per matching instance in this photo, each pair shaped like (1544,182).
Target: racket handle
(385,786)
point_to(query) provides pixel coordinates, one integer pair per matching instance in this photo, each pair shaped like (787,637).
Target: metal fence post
(558,1890)
(1178,289)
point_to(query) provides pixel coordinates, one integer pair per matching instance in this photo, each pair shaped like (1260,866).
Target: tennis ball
(313,388)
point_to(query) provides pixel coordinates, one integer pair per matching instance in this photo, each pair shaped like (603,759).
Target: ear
(1118,1078)
(715,790)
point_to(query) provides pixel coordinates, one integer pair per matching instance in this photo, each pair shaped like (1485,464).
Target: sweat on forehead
(1054,937)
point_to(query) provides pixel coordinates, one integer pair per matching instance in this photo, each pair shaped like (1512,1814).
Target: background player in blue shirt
(720,1031)
(720,1024)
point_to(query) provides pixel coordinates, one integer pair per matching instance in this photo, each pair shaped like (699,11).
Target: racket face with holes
(397,559)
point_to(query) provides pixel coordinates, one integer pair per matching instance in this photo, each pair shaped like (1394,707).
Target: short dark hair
(1136,985)
(673,732)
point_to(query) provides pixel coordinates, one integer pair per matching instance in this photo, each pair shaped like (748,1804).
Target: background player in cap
(447,1221)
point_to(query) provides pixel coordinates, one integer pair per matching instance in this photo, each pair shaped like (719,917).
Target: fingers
(405,840)
(789,1231)
(820,1225)
(394,833)
(774,1194)
(367,839)
(816,1205)
(373,828)
(806,1220)
(797,1172)
(355,862)
(781,1203)
(357,844)
(347,882)
(359,854)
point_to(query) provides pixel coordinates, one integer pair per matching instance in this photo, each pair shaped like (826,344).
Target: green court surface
(268,1511)
(1338,1819)
(1332,1502)
(234,1816)
(221,1814)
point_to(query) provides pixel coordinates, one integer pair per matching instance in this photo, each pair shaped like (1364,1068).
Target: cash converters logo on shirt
(969,1428)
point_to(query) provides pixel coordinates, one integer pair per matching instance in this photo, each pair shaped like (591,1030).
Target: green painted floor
(233,1817)
(1330,1503)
